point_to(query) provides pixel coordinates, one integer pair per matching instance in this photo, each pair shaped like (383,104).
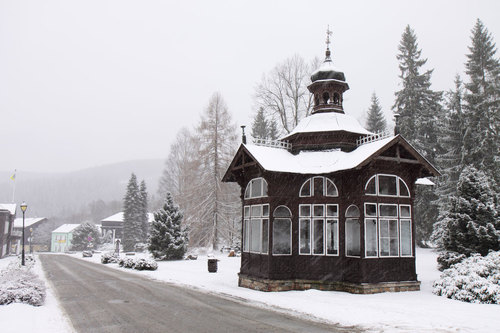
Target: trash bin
(212,265)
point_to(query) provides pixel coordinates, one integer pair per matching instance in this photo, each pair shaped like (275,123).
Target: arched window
(282,231)
(256,188)
(336,99)
(317,186)
(387,186)
(326,97)
(352,231)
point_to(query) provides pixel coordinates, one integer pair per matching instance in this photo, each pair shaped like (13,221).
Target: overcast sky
(87,83)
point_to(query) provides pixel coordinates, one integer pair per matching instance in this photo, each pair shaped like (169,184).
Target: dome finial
(328,34)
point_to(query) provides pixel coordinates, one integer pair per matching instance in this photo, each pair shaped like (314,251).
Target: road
(101,299)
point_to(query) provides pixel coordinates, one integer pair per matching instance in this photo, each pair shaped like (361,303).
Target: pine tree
(85,237)
(132,227)
(482,104)
(168,239)
(272,129)
(260,128)
(419,109)
(375,121)
(472,223)
(144,212)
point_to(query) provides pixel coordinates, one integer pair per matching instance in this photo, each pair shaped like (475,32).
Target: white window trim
(345,238)
(387,195)
(325,218)
(249,188)
(325,181)
(407,188)
(398,191)
(376,208)
(397,233)
(400,216)
(401,239)
(325,185)
(337,238)
(246,223)
(376,237)
(289,218)
(313,234)
(310,189)
(300,236)
(392,217)
(376,185)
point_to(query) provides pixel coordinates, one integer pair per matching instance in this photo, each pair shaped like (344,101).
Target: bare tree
(283,94)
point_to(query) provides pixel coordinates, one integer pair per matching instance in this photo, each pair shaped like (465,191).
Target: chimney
(243,136)
(396,123)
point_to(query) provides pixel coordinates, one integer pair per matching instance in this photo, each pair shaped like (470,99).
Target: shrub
(126,262)
(475,280)
(449,258)
(108,258)
(146,264)
(21,285)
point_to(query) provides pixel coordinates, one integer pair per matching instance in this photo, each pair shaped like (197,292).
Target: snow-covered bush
(146,264)
(475,280)
(108,258)
(449,258)
(126,262)
(21,285)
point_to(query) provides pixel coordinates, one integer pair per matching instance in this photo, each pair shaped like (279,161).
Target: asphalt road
(101,299)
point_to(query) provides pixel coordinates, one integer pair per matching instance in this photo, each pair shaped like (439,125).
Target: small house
(7,216)
(62,237)
(30,228)
(112,226)
(330,205)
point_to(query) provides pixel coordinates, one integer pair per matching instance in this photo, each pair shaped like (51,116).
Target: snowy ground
(19,317)
(388,312)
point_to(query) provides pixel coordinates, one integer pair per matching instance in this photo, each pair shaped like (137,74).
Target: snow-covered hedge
(108,258)
(139,264)
(449,258)
(19,284)
(475,280)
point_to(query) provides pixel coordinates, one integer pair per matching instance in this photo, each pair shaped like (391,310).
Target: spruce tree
(144,211)
(168,239)
(272,129)
(132,227)
(86,237)
(472,223)
(260,128)
(482,105)
(375,121)
(419,109)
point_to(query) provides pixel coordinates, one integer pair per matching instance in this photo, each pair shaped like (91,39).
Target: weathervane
(328,34)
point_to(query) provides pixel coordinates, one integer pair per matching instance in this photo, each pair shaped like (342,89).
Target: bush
(126,262)
(21,285)
(146,264)
(108,258)
(449,258)
(475,280)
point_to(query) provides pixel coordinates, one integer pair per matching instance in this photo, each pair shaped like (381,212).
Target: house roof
(11,208)
(66,228)
(325,161)
(118,217)
(18,223)
(328,122)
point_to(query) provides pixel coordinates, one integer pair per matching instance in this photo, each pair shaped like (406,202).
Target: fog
(86,83)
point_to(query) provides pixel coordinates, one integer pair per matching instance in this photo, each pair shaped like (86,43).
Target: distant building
(62,237)
(7,216)
(30,226)
(112,227)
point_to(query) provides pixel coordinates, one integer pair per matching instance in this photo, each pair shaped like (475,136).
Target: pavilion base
(354,288)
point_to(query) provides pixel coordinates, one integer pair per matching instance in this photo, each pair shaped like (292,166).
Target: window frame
(399,180)
(325,181)
(389,218)
(347,218)
(289,219)
(247,228)
(250,185)
(325,218)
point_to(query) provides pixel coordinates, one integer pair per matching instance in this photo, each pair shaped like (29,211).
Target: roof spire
(328,34)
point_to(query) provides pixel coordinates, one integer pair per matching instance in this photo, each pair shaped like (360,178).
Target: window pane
(245,236)
(247,211)
(332,246)
(265,210)
(387,185)
(404,211)
(388,210)
(370,187)
(318,236)
(255,236)
(247,190)
(403,189)
(352,237)
(305,210)
(282,211)
(331,189)
(265,236)
(394,247)
(332,210)
(257,210)
(256,188)
(305,191)
(384,247)
(281,236)
(370,209)
(405,237)
(352,211)
(384,228)
(305,236)
(319,210)
(264,188)
(371,237)
(318,186)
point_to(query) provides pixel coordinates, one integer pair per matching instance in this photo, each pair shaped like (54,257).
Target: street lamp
(23,208)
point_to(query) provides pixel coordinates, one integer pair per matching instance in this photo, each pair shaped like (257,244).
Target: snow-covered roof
(326,66)
(424,181)
(314,162)
(11,208)
(118,217)
(66,228)
(18,223)
(326,122)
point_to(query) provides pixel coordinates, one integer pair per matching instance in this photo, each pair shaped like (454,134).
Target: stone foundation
(354,288)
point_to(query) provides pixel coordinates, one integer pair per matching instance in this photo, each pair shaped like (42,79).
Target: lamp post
(23,208)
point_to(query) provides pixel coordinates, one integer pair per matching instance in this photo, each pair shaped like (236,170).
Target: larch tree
(220,204)
(419,109)
(482,104)
(132,227)
(375,121)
